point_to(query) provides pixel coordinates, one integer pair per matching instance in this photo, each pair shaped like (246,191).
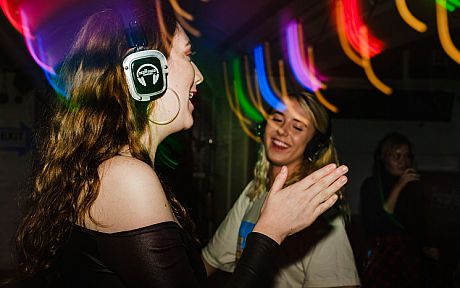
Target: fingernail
(331,167)
(343,179)
(283,170)
(343,169)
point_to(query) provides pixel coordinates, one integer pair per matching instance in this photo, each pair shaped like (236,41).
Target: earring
(175,116)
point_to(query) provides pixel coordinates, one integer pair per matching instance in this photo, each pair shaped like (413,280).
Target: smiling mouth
(279,144)
(191,94)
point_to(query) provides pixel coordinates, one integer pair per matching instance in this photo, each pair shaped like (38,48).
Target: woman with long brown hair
(98,214)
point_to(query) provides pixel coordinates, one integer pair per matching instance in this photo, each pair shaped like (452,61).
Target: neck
(150,142)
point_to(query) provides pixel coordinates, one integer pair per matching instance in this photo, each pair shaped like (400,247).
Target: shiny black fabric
(159,255)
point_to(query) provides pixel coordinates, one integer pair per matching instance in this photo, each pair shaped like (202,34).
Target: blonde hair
(328,154)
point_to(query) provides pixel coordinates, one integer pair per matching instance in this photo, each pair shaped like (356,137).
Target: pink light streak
(297,60)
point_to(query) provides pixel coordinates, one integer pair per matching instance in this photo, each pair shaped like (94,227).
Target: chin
(276,160)
(188,124)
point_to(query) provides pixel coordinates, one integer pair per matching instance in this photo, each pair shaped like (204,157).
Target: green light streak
(449,5)
(248,109)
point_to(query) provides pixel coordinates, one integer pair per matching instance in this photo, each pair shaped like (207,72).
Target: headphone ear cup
(317,144)
(146,74)
(313,146)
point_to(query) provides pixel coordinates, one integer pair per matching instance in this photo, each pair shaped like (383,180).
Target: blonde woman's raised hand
(289,210)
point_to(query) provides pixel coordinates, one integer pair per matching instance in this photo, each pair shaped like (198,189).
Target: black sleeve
(157,257)
(375,219)
(256,262)
(160,256)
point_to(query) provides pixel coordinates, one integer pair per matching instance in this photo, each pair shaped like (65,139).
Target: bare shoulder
(130,196)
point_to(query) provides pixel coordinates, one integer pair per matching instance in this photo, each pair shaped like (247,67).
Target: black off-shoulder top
(159,255)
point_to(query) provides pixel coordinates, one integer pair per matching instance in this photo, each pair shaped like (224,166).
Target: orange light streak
(410,19)
(366,64)
(443,32)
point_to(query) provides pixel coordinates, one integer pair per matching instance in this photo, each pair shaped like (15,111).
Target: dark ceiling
(424,79)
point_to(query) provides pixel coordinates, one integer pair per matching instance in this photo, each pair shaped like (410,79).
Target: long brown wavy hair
(97,120)
(327,154)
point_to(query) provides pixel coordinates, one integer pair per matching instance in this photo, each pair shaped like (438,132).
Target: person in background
(321,256)
(98,215)
(391,218)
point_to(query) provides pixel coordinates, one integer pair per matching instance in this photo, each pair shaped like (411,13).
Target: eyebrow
(294,119)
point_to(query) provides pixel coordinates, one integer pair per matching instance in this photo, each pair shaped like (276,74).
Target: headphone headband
(145,70)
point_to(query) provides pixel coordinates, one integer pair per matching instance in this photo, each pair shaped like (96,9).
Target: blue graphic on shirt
(245,228)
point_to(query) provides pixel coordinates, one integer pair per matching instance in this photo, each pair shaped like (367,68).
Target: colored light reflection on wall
(267,93)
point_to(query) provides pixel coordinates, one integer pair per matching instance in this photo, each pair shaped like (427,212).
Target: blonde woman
(321,256)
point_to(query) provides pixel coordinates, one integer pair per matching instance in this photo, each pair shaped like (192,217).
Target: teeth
(190,95)
(279,143)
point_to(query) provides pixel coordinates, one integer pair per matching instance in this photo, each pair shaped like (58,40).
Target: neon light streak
(248,109)
(363,60)
(52,78)
(268,95)
(366,64)
(410,19)
(300,69)
(450,5)
(268,67)
(318,93)
(353,24)
(229,96)
(180,11)
(312,68)
(192,30)
(326,103)
(444,34)
(257,103)
(31,49)
(10,15)
(243,121)
(283,85)
(182,17)
(313,74)
(166,37)
(340,21)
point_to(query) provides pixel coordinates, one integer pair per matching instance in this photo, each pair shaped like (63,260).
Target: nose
(198,76)
(281,130)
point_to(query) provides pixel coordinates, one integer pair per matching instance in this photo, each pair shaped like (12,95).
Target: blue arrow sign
(16,139)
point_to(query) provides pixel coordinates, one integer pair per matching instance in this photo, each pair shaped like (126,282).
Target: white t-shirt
(328,262)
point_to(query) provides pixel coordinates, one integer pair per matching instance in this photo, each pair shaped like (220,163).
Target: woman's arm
(220,252)
(408,176)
